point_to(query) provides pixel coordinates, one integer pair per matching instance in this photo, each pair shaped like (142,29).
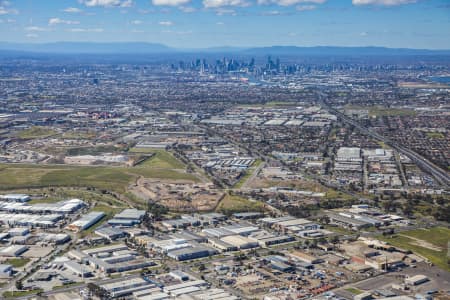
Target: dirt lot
(179,195)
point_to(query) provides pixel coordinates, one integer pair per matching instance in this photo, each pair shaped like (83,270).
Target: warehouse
(123,288)
(119,258)
(305,257)
(221,245)
(217,232)
(110,233)
(269,222)
(121,223)
(347,222)
(15,198)
(416,280)
(136,264)
(176,223)
(56,238)
(248,215)
(107,249)
(154,296)
(195,283)
(180,275)
(240,229)
(78,269)
(5,270)
(128,216)
(86,221)
(213,294)
(240,242)
(19,231)
(13,250)
(266,239)
(189,236)
(165,246)
(190,253)
(43,221)
(212,218)
(151,290)
(61,207)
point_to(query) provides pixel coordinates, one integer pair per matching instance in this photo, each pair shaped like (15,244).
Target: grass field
(438,237)
(13,295)
(163,160)
(354,291)
(17,262)
(248,173)
(435,135)
(379,111)
(143,150)
(231,204)
(36,132)
(91,150)
(18,176)
(79,135)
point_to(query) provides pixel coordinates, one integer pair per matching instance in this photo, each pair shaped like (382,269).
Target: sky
(423,24)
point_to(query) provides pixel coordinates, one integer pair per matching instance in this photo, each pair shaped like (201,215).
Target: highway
(441,176)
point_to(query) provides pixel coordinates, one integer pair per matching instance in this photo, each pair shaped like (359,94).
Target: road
(253,176)
(441,176)
(77,287)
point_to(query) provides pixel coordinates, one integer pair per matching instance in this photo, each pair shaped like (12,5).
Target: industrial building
(265,239)
(128,217)
(15,198)
(86,221)
(27,219)
(78,269)
(13,250)
(123,288)
(191,253)
(110,233)
(416,280)
(5,270)
(240,242)
(61,207)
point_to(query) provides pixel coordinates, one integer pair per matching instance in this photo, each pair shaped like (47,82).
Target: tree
(19,285)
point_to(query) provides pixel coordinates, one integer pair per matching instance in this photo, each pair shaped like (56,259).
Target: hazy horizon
(193,24)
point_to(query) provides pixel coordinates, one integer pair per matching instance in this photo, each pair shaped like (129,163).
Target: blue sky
(211,23)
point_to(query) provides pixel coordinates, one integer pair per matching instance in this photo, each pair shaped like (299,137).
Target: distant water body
(440,79)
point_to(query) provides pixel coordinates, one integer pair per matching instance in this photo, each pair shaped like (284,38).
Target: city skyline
(237,23)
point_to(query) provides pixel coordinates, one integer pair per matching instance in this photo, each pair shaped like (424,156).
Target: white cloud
(73,10)
(222,3)
(85,30)
(220,23)
(31,35)
(187,9)
(271,13)
(305,7)
(136,22)
(289,2)
(225,11)
(364,33)
(166,23)
(107,3)
(177,32)
(7,21)
(8,11)
(170,2)
(35,28)
(55,21)
(382,2)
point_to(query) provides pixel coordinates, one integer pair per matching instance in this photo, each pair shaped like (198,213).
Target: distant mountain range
(154,48)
